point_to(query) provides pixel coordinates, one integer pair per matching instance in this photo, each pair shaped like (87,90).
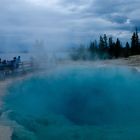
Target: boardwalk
(7,70)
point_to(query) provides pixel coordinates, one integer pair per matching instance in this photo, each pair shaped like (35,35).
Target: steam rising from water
(73,103)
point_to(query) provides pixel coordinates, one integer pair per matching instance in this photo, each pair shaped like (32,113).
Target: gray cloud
(63,22)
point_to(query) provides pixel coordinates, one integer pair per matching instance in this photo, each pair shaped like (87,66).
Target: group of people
(11,65)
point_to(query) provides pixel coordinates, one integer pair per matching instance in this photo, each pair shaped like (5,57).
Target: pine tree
(111,47)
(117,48)
(92,47)
(135,49)
(105,41)
(137,40)
(127,50)
(101,44)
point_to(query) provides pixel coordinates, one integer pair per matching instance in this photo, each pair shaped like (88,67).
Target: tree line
(107,48)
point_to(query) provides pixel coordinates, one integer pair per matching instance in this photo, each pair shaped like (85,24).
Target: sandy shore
(131,62)
(5,133)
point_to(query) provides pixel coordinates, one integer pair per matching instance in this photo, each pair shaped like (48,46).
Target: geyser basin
(81,96)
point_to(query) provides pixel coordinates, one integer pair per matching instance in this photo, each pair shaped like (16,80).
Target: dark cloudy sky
(65,22)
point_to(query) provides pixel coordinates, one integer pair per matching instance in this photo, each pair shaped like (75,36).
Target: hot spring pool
(76,103)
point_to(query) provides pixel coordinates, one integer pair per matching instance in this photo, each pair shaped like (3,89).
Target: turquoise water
(80,103)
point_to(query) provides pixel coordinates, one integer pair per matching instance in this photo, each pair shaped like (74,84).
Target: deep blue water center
(80,96)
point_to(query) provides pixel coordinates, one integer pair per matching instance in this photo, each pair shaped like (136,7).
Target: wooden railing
(7,70)
(25,67)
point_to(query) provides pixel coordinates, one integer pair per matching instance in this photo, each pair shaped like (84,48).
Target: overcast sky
(65,22)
